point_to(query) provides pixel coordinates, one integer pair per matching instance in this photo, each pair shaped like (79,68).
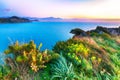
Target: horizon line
(71,19)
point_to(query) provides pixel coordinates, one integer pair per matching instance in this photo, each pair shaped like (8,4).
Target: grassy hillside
(93,57)
(96,57)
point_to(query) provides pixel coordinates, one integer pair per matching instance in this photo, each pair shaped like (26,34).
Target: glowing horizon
(93,9)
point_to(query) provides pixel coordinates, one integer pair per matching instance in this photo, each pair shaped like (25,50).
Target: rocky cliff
(98,30)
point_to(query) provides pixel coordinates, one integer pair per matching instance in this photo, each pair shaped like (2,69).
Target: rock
(78,31)
(101,30)
(110,31)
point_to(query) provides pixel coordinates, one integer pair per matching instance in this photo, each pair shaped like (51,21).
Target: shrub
(4,71)
(103,35)
(27,57)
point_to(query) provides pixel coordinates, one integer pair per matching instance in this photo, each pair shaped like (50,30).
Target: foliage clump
(26,57)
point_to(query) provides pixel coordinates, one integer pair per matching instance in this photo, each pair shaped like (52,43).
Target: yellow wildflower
(93,58)
(34,67)
(99,59)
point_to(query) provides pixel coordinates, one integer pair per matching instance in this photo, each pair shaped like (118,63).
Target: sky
(95,9)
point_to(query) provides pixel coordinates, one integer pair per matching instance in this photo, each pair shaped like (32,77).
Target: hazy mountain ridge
(15,19)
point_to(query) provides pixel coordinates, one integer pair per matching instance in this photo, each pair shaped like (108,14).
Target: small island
(14,19)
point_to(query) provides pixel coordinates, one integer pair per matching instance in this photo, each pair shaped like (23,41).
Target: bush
(27,57)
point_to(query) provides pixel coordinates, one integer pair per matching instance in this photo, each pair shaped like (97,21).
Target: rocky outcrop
(14,19)
(110,31)
(99,29)
(78,32)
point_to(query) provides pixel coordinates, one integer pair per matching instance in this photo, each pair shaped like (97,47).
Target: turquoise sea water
(47,33)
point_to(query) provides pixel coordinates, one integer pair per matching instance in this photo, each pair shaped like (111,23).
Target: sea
(47,33)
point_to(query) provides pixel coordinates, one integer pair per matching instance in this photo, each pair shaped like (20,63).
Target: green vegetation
(61,70)
(27,60)
(93,57)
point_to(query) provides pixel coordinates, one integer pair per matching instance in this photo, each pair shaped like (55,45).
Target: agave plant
(63,71)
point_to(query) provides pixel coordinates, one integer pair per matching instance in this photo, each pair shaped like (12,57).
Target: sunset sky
(95,9)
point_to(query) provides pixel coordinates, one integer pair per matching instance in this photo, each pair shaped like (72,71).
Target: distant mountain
(54,19)
(13,19)
(50,19)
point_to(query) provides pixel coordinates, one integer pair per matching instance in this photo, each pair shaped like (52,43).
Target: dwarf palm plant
(63,71)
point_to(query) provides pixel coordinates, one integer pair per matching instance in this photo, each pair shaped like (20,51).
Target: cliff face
(13,19)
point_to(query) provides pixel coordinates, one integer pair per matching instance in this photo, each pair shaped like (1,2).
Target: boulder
(78,32)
